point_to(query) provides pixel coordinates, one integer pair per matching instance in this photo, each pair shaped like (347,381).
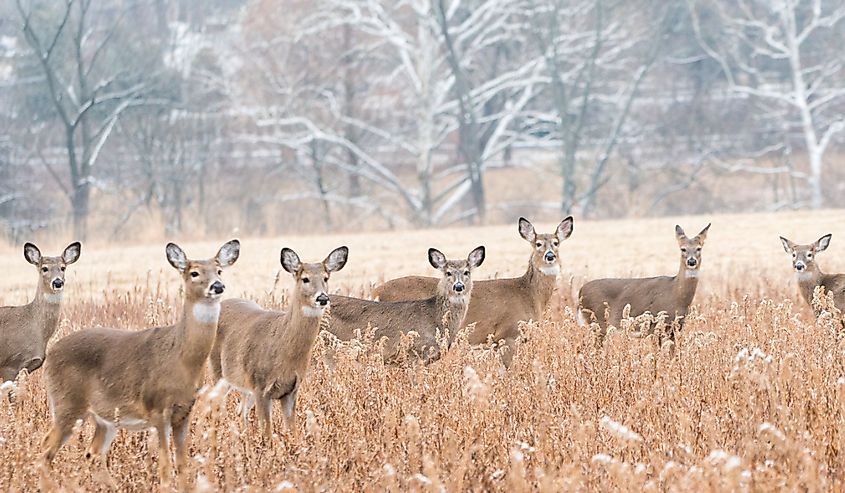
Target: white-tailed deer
(139,379)
(264,353)
(498,305)
(25,330)
(604,300)
(810,276)
(441,313)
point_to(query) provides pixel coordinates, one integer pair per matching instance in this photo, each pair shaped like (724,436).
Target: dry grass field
(752,399)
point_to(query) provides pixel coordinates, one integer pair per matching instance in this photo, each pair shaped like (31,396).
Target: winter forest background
(122,119)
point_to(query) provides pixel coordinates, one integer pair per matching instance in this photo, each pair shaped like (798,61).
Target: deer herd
(141,379)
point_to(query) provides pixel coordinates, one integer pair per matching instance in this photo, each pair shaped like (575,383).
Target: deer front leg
(264,410)
(164,429)
(181,437)
(289,407)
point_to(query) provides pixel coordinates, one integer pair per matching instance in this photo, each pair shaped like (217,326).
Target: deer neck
(451,311)
(300,328)
(198,328)
(45,310)
(540,283)
(808,281)
(686,283)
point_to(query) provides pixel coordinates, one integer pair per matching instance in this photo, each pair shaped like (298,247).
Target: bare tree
(780,54)
(87,91)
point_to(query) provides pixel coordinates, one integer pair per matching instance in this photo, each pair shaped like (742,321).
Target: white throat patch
(313,311)
(804,276)
(691,273)
(53,298)
(550,270)
(457,300)
(206,313)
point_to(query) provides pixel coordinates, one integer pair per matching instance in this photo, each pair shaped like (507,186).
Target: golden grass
(752,399)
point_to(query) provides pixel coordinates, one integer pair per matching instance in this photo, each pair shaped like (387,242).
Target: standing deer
(441,313)
(810,275)
(139,379)
(264,353)
(671,295)
(25,330)
(498,305)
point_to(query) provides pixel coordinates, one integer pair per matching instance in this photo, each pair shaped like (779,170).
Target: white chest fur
(53,298)
(691,273)
(313,311)
(206,313)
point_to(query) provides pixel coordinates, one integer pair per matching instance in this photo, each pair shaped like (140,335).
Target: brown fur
(139,379)
(425,317)
(811,276)
(672,295)
(498,305)
(266,353)
(25,330)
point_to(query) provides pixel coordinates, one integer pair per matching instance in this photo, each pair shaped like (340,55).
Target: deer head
(544,255)
(51,270)
(312,280)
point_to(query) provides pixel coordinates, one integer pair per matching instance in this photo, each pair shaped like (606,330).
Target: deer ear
(290,261)
(436,258)
(703,234)
(176,256)
(526,230)
(476,257)
(32,254)
(229,253)
(787,245)
(72,252)
(679,233)
(564,229)
(823,242)
(337,259)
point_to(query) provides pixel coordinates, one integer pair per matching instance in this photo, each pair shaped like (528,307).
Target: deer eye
(63,268)
(555,243)
(219,272)
(698,249)
(326,279)
(305,280)
(683,250)
(44,269)
(809,255)
(449,273)
(466,272)
(195,274)
(539,244)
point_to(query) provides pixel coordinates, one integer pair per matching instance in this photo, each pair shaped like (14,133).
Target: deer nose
(550,256)
(58,283)
(323,299)
(217,287)
(692,262)
(799,266)
(458,287)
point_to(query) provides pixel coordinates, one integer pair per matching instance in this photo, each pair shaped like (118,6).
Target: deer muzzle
(216,288)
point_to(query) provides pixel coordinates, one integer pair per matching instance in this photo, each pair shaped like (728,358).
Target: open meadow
(753,398)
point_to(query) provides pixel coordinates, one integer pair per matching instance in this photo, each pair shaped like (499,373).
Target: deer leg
(264,410)
(104,434)
(507,351)
(57,436)
(164,429)
(289,407)
(181,440)
(247,402)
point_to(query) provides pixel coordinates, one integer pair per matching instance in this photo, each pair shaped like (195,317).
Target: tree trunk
(81,199)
